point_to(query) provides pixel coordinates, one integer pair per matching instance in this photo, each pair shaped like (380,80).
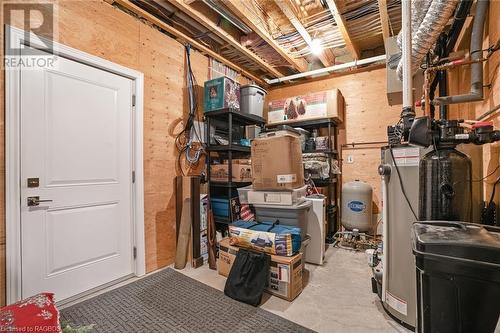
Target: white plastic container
(278,198)
(294,215)
(252,99)
(357,206)
(243,194)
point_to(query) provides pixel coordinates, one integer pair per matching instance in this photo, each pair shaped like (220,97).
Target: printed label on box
(312,105)
(283,272)
(276,283)
(282,179)
(272,197)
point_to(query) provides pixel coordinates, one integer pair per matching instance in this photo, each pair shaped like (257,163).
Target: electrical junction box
(394,84)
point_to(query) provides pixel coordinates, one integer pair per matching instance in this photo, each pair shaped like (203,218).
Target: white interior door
(76,138)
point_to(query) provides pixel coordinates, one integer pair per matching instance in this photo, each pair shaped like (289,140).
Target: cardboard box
(324,104)
(285,278)
(221,93)
(277,162)
(242,171)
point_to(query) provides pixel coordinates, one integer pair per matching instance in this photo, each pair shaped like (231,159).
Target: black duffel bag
(248,277)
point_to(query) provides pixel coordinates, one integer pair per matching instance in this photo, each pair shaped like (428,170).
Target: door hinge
(134,252)
(133,100)
(133,176)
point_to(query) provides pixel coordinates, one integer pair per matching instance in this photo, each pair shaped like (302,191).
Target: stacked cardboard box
(285,277)
(241,171)
(317,105)
(277,161)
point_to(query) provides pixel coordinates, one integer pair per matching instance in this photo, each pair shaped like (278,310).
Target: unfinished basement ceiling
(272,39)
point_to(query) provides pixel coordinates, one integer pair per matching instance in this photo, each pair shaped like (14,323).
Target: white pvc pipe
(328,69)
(406,53)
(385,237)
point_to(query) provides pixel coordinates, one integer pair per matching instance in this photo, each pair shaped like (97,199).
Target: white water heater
(357,206)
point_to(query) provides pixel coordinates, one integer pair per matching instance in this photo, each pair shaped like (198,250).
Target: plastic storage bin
(252,99)
(277,198)
(243,193)
(458,276)
(294,215)
(220,207)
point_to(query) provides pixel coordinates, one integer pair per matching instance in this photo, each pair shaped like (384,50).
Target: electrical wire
(478,180)
(185,138)
(401,183)
(490,174)
(493,192)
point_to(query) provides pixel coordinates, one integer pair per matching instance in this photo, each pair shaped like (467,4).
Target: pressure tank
(445,186)
(357,206)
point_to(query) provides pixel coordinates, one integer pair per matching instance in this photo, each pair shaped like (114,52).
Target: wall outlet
(350,159)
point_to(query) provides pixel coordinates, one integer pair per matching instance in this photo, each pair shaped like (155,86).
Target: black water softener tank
(445,185)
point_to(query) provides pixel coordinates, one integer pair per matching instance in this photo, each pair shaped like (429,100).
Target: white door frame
(15,36)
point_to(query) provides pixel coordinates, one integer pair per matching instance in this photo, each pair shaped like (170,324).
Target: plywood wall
(99,29)
(459,83)
(367,116)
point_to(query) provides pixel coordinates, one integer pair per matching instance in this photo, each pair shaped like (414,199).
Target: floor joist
(207,23)
(341,24)
(183,38)
(238,7)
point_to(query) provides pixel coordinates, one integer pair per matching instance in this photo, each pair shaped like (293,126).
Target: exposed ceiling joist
(240,9)
(341,24)
(384,19)
(290,15)
(206,22)
(182,37)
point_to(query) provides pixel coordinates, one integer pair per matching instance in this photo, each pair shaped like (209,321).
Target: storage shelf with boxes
(279,217)
(322,166)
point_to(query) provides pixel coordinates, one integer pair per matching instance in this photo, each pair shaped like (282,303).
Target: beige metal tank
(357,206)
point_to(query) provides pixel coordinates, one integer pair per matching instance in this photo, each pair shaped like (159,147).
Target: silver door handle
(35,201)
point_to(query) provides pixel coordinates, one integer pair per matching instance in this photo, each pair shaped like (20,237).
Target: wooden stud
(341,24)
(210,25)
(239,9)
(185,39)
(289,13)
(384,19)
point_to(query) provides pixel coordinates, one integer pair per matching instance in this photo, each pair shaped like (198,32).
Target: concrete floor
(337,297)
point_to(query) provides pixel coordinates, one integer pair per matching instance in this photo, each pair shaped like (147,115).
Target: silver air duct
(476,72)
(418,10)
(432,25)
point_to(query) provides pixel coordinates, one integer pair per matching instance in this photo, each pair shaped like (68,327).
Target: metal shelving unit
(231,118)
(333,182)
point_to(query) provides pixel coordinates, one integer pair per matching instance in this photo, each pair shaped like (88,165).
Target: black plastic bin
(458,276)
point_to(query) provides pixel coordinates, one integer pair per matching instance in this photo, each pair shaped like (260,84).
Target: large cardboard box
(242,171)
(323,104)
(277,162)
(285,277)
(221,93)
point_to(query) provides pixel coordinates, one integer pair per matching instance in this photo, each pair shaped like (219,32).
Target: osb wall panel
(99,29)
(459,83)
(367,116)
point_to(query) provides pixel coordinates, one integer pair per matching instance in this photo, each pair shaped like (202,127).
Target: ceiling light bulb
(316,46)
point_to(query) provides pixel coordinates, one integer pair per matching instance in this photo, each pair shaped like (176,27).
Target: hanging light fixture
(316,47)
